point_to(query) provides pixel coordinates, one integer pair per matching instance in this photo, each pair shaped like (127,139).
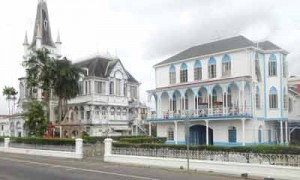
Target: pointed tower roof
(42,25)
(58,38)
(25,40)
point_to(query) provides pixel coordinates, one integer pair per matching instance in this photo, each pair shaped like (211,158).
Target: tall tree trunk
(59,109)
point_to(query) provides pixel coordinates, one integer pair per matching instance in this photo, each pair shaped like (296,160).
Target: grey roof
(267,45)
(236,42)
(101,67)
(42,25)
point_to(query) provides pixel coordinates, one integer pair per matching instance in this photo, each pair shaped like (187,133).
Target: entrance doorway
(198,135)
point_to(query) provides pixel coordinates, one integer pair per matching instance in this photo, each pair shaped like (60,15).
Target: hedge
(1,139)
(270,149)
(93,140)
(43,141)
(141,140)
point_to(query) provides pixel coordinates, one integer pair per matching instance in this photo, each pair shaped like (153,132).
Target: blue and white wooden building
(231,91)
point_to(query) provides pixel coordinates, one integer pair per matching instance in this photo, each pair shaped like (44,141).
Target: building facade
(227,92)
(108,102)
(294,109)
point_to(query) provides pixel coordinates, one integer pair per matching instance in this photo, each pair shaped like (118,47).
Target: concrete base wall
(220,167)
(37,152)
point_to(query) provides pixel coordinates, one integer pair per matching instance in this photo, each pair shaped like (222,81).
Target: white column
(207,140)
(6,142)
(208,104)
(286,132)
(223,104)
(107,146)
(281,133)
(150,129)
(226,94)
(78,148)
(243,129)
(60,131)
(175,132)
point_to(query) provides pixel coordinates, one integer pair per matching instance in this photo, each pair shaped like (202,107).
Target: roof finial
(58,37)
(25,39)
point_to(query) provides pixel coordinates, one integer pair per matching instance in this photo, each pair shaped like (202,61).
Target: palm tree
(10,93)
(65,83)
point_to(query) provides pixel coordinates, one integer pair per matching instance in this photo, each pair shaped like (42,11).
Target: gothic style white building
(231,92)
(109,94)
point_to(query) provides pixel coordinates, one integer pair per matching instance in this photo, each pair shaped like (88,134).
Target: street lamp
(187,139)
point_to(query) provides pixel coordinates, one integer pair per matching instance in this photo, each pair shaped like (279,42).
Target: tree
(65,84)
(10,93)
(39,69)
(36,121)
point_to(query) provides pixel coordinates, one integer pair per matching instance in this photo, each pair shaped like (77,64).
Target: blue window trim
(172,68)
(197,64)
(212,61)
(273,91)
(183,66)
(226,58)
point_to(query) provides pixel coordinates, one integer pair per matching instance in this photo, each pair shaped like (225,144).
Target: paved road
(16,167)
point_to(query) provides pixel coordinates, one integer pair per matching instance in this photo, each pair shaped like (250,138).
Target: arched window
(174,103)
(186,102)
(183,73)
(272,65)
(232,134)
(214,96)
(197,70)
(257,98)
(273,98)
(226,66)
(172,75)
(171,134)
(212,70)
(111,88)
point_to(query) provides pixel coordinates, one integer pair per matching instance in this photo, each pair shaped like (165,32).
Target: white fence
(236,168)
(75,152)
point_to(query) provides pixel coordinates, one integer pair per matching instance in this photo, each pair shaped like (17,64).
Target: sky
(143,32)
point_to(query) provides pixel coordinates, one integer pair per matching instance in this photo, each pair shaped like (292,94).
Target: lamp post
(187,139)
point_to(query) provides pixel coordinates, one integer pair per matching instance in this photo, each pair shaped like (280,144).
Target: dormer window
(85,71)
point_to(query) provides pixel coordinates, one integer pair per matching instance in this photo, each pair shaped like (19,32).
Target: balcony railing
(217,113)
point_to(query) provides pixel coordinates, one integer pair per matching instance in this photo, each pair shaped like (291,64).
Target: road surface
(17,167)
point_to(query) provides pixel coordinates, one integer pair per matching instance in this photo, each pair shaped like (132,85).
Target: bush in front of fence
(266,149)
(1,139)
(42,141)
(95,139)
(143,140)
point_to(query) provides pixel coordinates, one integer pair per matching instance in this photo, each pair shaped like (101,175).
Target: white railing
(205,112)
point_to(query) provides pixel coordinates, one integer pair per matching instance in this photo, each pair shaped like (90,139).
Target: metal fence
(93,150)
(252,158)
(68,148)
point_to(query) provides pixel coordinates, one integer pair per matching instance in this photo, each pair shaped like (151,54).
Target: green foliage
(10,93)
(1,139)
(141,140)
(43,141)
(272,149)
(93,140)
(36,122)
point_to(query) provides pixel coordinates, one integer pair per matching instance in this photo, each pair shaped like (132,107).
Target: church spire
(42,28)
(25,40)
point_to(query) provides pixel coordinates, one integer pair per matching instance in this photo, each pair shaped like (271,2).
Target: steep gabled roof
(101,67)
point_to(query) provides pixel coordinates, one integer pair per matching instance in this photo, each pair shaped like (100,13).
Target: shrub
(93,140)
(43,141)
(142,140)
(1,139)
(267,149)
